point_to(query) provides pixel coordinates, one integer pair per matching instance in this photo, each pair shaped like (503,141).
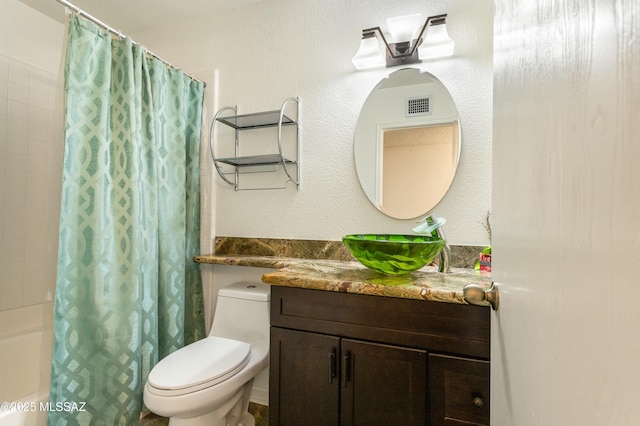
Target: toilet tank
(242,312)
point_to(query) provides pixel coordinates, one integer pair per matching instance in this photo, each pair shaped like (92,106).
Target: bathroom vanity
(350,346)
(351,359)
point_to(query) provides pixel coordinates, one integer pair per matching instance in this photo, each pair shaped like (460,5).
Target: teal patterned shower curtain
(127,291)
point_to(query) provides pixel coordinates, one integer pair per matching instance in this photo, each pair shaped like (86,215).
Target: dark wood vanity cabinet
(349,359)
(327,380)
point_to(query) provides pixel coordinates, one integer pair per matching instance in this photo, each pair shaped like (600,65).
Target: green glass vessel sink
(393,254)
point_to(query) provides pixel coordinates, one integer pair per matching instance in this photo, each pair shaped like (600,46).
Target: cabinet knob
(476,295)
(478,402)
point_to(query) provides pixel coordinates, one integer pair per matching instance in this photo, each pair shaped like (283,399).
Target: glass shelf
(256,120)
(255,160)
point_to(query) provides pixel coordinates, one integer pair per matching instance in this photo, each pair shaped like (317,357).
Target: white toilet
(209,382)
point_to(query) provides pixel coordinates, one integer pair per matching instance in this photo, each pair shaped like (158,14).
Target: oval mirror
(407,143)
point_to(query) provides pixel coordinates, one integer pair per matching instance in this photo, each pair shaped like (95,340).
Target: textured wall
(274,49)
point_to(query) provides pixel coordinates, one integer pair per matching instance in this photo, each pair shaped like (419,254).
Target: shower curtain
(127,291)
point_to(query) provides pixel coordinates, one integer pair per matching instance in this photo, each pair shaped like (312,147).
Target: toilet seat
(199,365)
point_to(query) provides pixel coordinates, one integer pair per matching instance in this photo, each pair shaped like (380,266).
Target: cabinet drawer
(459,391)
(435,326)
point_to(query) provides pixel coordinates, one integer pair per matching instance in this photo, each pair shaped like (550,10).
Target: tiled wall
(26,214)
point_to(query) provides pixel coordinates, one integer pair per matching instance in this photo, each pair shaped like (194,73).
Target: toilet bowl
(209,382)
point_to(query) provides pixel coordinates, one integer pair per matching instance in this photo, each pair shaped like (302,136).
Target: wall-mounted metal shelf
(230,168)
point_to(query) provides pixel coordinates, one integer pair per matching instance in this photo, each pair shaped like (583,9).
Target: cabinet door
(382,385)
(304,379)
(458,391)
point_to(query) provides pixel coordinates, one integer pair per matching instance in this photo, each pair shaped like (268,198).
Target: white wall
(274,49)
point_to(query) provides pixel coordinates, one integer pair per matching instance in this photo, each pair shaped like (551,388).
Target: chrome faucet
(444,265)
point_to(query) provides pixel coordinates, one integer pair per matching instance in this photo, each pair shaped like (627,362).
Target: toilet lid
(200,364)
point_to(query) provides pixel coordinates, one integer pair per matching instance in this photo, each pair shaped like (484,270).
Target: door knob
(474,294)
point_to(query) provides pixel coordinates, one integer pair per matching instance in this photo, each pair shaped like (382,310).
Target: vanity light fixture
(405,47)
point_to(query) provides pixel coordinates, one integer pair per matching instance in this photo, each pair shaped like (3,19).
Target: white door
(566,213)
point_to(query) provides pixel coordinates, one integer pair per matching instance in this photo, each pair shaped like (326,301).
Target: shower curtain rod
(117,33)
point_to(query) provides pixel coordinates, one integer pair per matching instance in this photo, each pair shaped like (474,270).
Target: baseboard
(260,395)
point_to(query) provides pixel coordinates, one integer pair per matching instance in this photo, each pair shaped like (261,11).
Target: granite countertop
(351,277)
